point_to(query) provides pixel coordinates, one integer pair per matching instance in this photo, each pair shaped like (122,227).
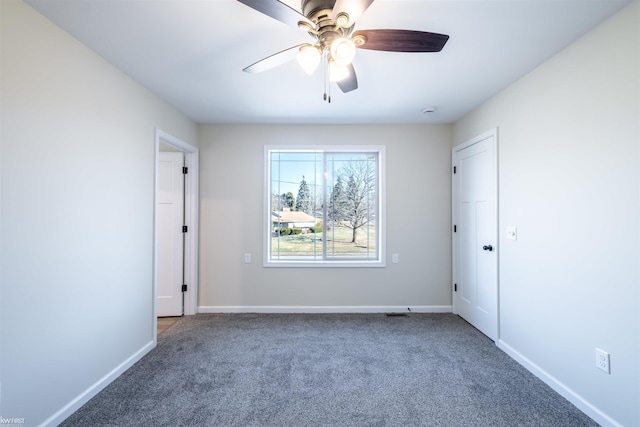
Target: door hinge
(185,170)
(455,287)
(455,228)
(184,288)
(454,169)
(185,228)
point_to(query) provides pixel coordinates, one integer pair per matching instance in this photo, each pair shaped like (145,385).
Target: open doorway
(187,285)
(170,232)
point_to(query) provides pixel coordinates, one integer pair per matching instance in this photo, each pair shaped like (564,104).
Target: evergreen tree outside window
(303,201)
(337,218)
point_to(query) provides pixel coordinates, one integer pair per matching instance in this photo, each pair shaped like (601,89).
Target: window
(324,206)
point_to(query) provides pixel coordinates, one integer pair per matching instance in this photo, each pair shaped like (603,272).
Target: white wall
(77,175)
(418,222)
(569,180)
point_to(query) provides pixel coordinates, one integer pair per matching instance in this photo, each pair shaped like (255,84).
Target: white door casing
(170,217)
(475,240)
(191,160)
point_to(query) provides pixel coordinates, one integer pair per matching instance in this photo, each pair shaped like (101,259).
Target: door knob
(488,248)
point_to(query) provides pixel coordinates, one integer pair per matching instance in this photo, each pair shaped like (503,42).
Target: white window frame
(380,150)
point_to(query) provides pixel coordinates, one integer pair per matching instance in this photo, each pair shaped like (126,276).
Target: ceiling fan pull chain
(325,68)
(327,81)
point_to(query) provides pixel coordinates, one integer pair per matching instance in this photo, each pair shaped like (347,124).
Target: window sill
(324,264)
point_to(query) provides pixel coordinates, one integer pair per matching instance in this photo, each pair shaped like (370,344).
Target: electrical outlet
(395,258)
(247,258)
(603,361)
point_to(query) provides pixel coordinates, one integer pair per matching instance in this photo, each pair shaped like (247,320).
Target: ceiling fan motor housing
(311,8)
(326,31)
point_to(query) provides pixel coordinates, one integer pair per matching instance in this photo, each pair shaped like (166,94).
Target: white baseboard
(325,309)
(85,396)
(578,401)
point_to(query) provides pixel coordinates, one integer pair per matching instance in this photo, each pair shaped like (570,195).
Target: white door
(475,245)
(170,214)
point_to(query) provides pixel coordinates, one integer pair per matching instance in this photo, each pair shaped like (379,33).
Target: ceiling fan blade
(277,10)
(350,83)
(402,40)
(353,9)
(274,60)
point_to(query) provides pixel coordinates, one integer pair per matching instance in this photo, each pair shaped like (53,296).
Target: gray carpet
(326,370)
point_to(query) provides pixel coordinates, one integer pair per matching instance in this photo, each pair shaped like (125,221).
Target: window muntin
(324,206)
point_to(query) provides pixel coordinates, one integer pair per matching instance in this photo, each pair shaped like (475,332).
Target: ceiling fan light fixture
(309,58)
(343,50)
(337,72)
(330,23)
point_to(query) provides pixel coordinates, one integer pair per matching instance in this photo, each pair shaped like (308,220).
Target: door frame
(454,246)
(191,202)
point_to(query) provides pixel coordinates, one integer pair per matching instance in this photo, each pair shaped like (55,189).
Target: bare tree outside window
(353,199)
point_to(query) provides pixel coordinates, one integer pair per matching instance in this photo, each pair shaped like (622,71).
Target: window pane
(323,206)
(351,205)
(296,189)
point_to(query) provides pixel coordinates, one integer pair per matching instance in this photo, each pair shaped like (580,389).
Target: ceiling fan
(331,23)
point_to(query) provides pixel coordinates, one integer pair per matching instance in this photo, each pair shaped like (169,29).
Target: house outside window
(324,206)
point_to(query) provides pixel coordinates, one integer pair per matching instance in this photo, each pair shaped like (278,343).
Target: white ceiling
(191,53)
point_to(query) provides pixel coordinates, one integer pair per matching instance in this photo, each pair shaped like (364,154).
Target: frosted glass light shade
(309,58)
(337,72)
(343,51)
